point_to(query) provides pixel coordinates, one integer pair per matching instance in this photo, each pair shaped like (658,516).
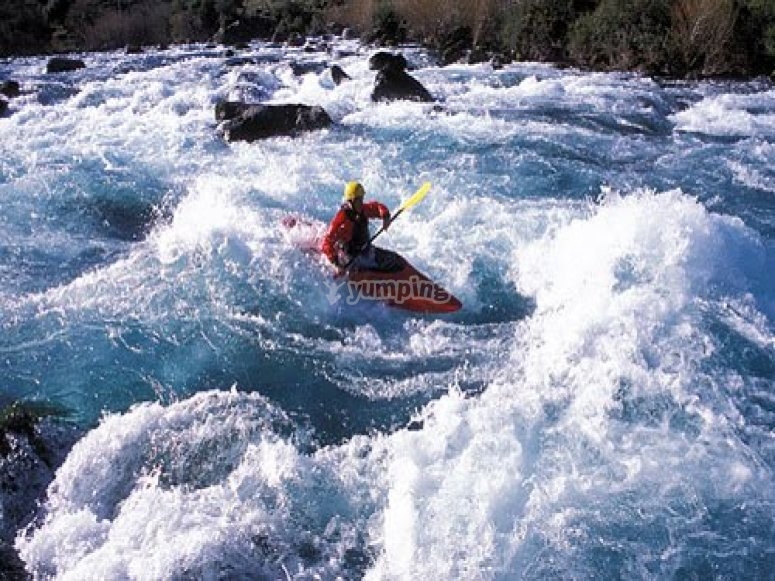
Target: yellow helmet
(353,190)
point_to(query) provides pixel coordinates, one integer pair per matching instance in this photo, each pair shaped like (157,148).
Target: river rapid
(603,406)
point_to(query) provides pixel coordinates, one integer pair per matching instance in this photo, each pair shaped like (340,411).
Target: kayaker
(347,238)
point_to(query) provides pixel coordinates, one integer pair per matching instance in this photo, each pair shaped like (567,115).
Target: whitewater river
(602,407)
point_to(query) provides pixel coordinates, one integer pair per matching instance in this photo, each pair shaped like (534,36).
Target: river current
(602,407)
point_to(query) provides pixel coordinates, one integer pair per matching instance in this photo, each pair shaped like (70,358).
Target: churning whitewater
(603,406)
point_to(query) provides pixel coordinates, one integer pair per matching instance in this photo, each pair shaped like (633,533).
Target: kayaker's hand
(386,222)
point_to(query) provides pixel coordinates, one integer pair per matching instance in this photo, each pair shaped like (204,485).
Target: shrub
(625,34)
(23,28)
(346,13)
(184,26)
(428,20)
(388,27)
(288,16)
(702,34)
(537,29)
(146,24)
(756,33)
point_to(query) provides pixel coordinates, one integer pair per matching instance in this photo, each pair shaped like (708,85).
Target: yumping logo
(396,292)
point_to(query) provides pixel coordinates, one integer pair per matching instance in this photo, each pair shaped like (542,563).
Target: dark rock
(263,121)
(62,65)
(133,49)
(32,446)
(387,61)
(53,93)
(238,61)
(296,40)
(338,75)
(392,85)
(3,106)
(17,420)
(11,566)
(300,69)
(127,220)
(225,110)
(340,54)
(10,89)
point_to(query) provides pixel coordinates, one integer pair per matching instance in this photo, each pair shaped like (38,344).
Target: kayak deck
(407,288)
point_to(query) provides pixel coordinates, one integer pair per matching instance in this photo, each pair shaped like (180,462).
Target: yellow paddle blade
(416,197)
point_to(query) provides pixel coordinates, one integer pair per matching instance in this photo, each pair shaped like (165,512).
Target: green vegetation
(22,26)
(668,37)
(623,34)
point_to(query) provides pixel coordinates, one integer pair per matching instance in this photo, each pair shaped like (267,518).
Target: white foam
(141,513)
(489,481)
(489,485)
(730,115)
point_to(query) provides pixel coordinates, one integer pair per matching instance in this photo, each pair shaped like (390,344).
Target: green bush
(289,16)
(623,34)
(537,29)
(388,27)
(146,25)
(756,32)
(23,28)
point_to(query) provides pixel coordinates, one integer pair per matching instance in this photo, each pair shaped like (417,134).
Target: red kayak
(396,282)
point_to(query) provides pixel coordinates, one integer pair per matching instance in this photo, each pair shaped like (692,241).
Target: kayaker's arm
(339,234)
(374,210)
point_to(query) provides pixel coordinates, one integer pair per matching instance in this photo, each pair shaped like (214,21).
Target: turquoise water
(602,407)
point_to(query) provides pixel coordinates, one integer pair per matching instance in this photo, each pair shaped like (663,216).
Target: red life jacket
(349,230)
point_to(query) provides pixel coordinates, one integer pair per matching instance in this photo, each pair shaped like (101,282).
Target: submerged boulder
(225,110)
(393,83)
(63,65)
(301,69)
(33,444)
(10,89)
(338,75)
(263,121)
(391,86)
